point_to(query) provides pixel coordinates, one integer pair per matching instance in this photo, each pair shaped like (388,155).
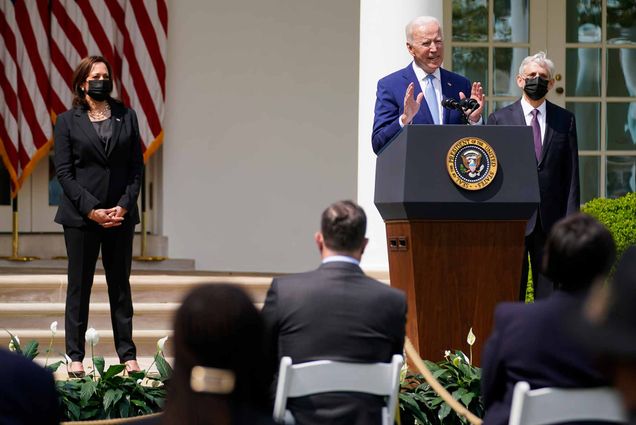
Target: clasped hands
(412,104)
(108,217)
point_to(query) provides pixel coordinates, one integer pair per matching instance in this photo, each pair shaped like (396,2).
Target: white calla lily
(54,328)
(11,344)
(161,343)
(92,337)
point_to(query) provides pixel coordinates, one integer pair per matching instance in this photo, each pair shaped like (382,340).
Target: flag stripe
(41,43)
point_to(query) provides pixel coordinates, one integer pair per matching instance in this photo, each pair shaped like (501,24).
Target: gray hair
(420,21)
(540,59)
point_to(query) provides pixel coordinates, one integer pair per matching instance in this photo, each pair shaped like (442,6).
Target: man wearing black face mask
(556,151)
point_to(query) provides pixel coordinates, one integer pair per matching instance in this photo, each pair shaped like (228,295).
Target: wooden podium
(455,252)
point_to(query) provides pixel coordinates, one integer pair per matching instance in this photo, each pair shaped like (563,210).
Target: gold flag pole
(14,235)
(144,220)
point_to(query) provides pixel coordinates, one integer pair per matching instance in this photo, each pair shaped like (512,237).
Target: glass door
(593,45)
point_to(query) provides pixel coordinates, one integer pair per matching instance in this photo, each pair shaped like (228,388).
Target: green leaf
(467,398)
(53,367)
(31,350)
(124,408)
(113,370)
(443,411)
(99,364)
(89,387)
(165,371)
(111,397)
(74,411)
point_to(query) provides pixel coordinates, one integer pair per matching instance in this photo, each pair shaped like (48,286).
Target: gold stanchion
(143,256)
(14,237)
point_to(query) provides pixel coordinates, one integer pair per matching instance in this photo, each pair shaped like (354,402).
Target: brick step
(62,373)
(51,288)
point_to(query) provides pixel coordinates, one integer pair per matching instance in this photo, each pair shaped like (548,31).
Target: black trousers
(534,246)
(82,247)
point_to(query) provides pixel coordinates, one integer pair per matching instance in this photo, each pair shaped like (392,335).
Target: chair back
(558,405)
(323,376)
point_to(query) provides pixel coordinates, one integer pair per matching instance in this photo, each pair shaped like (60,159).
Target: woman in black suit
(99,164)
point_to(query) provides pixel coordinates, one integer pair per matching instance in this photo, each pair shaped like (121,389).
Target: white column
(382,51)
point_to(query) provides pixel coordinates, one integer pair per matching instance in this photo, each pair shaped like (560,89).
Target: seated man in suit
(557,154)
(532,342)
(336,313)
(400,94)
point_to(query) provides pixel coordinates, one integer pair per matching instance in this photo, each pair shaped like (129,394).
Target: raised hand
(477,93)
(411,104)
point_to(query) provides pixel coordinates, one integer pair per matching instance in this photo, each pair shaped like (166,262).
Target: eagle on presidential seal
(472,163)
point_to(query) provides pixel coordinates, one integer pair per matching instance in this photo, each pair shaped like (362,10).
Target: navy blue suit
(558,171)
(389,103)
(335,313)
(530,342)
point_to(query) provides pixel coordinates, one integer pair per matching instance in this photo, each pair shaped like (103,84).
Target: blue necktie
(536,133)
(431,98)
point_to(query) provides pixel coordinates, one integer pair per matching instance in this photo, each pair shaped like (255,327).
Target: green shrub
(618,215)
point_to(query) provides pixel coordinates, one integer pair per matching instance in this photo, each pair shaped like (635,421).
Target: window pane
(583,72)
(472,62)
(55,189)
(621,72)
(620,175)
(621,21)
(583,21)
(588,124)
(621,126)
(470,20)
(588,175)
(5,186)
(511,21)
(507,63)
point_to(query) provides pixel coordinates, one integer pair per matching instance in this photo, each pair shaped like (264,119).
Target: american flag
(41,43)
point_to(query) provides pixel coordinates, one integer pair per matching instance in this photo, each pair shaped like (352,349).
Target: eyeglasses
(535,74)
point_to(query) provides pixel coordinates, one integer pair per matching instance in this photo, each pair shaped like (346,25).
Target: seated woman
(532,342)
(222,373)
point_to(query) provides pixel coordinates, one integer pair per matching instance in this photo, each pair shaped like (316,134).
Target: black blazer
(335,313)
(531,342)
(558,168)
(91,176)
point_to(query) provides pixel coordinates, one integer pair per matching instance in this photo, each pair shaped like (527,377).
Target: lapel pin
(449,84)
(118,119)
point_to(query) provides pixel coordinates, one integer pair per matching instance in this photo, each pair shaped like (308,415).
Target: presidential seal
(471,163)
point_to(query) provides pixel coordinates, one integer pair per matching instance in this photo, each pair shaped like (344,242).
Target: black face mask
(99,89)
(536,88)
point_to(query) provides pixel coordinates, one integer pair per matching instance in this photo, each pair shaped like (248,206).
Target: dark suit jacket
(335,313)
(558,168)
(389,103)
(530,342)
(91,176)
(27,392)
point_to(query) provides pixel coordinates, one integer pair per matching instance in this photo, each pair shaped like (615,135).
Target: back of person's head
(579,250)
(221,364)
(343,226)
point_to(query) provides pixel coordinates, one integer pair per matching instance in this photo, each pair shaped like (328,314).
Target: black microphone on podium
(465,106)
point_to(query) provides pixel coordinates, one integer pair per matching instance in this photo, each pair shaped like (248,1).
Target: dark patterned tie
(536,132)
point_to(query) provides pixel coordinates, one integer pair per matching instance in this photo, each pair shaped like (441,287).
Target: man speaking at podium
(400,94)
(557,154)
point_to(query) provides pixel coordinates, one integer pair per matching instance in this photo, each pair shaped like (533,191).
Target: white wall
(382,51)
(260,129)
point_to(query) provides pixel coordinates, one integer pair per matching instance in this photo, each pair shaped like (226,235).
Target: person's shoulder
(505,311)
(552,108)
(453,76)
(23,368)
(506,110)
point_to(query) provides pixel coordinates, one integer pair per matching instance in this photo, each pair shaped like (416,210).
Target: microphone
(461,105)
(450,103)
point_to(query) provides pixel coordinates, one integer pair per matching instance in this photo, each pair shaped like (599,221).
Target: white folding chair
(557,405)
(324,376)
